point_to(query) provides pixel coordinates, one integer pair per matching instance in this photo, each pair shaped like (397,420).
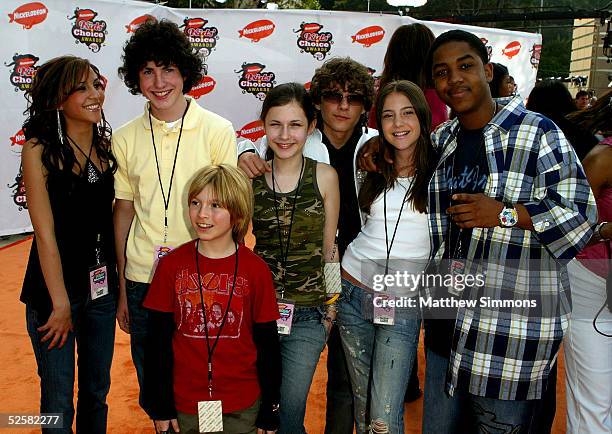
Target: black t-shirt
(467,171)
(349,222)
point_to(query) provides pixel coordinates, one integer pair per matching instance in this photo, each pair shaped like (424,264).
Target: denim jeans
(384,353)
(94,336)
(136,292)
(339,413)
(300,352)
(467,413)
(442,414)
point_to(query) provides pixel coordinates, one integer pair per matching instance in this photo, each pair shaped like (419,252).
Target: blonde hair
(232,189)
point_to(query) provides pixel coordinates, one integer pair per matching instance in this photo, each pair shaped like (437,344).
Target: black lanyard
(210,350)
(390,246)
(161,186)
(284,253)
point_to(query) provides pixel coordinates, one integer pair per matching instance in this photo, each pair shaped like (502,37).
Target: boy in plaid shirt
(510,201)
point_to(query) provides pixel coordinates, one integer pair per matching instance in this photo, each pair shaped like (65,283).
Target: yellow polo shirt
(207,139)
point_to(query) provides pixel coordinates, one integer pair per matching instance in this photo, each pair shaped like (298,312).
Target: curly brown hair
(163,43)
(346,73)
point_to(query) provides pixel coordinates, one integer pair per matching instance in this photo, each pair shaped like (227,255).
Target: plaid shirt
(507,353)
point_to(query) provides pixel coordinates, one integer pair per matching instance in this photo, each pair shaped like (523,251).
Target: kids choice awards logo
(257,30)
(87,30)
(252,131)
(29,14)
(512,49)
(139,21)
(312,40)
(254,81)
(24,68)
(369,36)
(202,38)
(203,87)
(18,191)
(535,55)
(485,41)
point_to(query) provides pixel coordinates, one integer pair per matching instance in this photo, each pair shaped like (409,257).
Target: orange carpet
(19,385)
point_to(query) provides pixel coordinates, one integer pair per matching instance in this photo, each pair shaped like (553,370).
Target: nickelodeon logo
(29,14)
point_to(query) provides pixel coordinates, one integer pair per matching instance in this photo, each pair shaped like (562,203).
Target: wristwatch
(508,217)
(597,231)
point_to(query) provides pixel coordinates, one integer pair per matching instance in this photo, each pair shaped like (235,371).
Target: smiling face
(84,104)
(400,124)
(210,220)
(286,129)
(461,80)
(163,87)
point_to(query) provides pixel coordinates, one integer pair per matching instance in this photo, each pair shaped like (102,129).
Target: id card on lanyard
(210,411)
(384,314)
(286,307)
(163,249)
(98,274)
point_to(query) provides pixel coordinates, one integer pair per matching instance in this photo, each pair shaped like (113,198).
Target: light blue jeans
(300,352)
(385,354)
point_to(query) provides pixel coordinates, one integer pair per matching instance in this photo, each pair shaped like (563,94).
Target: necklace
(93,174)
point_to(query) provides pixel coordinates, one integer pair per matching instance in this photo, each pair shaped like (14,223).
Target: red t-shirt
(175,289)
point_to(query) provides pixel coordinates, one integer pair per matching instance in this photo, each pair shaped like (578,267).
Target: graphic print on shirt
(216,295)
(468,179)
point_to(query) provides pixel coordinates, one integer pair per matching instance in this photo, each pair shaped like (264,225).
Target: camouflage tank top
(304,266)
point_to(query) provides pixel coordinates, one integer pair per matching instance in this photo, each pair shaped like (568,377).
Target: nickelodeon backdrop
(247,52)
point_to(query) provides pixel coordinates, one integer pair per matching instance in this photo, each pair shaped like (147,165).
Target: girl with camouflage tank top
(294,221)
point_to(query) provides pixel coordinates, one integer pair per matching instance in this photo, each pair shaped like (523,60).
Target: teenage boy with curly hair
(157,154)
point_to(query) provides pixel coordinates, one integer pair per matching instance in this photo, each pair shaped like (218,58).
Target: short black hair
(458,36)
(163,43)
(582,93)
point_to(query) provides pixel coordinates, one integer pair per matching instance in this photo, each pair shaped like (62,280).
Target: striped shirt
(507,352)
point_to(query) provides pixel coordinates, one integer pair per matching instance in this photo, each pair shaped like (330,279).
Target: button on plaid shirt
(507,353)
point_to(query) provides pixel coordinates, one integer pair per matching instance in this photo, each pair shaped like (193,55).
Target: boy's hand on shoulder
(366,157)
(252,165)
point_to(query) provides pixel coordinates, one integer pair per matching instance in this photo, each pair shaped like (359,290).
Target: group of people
(148,227)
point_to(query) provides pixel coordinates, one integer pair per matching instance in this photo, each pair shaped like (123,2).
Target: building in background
(589,58)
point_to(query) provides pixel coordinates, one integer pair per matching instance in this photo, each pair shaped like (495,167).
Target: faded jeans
(384,353)
(300,352)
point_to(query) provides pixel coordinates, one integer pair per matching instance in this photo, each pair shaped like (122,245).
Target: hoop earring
(60,133)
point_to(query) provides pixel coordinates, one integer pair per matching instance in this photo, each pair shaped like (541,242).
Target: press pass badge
(98,281)
(285,309)
(383,313)
(456,269)
(210,416)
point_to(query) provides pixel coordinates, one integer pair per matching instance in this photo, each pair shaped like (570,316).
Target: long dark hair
(284,94)
(424,155)
(53,83)
(406,55)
